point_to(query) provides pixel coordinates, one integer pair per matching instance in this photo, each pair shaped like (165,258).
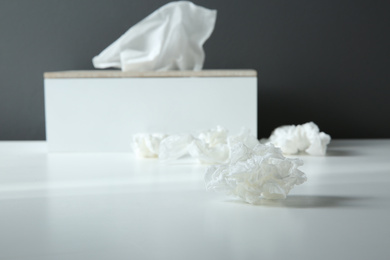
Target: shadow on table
(301,201)
(341,153)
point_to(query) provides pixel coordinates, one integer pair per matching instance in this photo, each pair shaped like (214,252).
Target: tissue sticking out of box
(300,138)
(171,38)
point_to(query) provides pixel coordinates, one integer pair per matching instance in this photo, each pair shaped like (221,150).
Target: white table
(113,206)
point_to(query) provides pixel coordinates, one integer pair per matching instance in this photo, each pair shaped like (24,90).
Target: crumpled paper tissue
(255,172)
(171,38)
(300,138)
(210,146)
(147,145)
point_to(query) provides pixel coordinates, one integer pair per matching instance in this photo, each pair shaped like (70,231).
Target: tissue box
(99,111)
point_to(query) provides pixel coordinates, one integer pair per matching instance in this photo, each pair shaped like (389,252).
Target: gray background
(322,61)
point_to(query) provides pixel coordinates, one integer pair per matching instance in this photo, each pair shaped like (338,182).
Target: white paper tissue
(147,145)
(301,138)
(171,38)
(175,146)
(255,173)
(209,146)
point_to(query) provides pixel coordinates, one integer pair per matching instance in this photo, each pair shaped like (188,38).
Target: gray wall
(322,61)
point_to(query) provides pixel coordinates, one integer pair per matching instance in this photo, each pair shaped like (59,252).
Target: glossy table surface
(114,206)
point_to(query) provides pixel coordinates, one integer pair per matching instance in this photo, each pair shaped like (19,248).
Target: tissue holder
(99,111)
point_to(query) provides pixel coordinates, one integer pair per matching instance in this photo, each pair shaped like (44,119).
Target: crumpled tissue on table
(301,138)
(244,167)
(255,172)
(147,145)
(171,38)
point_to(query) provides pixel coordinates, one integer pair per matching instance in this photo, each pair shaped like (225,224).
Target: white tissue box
(99,111)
